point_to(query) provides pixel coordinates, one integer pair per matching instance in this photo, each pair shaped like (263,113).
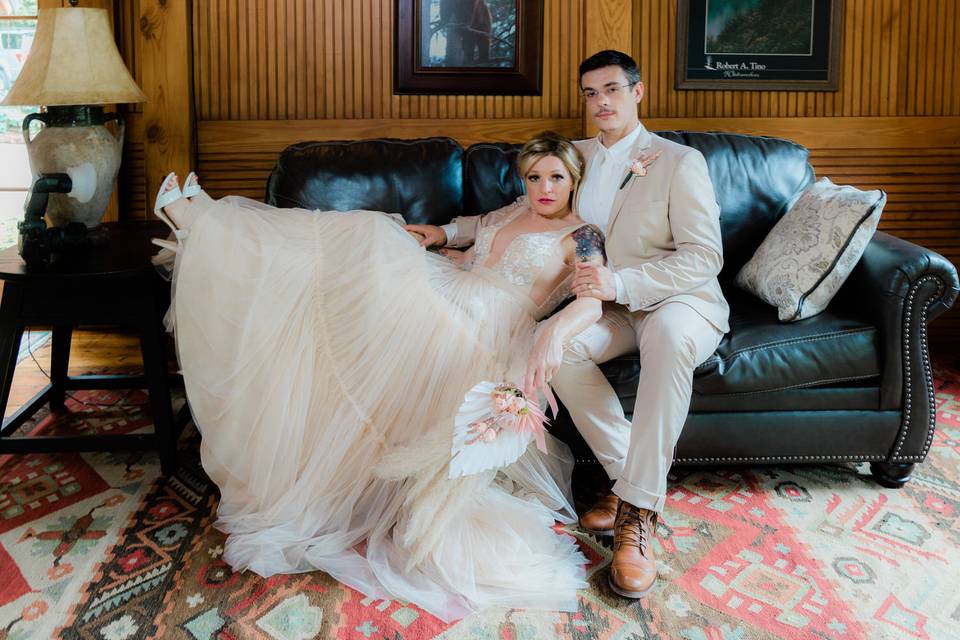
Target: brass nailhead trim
(927,371)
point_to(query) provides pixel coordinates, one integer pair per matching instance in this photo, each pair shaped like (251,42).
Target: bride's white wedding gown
(325,355)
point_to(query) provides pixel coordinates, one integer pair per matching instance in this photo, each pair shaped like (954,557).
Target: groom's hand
(594,280)
(433,236)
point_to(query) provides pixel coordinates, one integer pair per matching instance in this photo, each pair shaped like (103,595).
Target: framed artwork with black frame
(483,47)
(775,45)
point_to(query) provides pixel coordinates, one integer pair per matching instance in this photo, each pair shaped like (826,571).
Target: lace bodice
(532,263)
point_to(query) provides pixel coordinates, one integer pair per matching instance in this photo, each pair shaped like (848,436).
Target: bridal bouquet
(494,426)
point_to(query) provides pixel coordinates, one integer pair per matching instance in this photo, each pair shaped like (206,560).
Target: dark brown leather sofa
(849,385)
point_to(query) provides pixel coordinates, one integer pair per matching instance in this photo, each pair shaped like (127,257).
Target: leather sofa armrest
(900,287)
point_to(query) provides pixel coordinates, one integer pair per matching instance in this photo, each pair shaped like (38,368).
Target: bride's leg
(184,212)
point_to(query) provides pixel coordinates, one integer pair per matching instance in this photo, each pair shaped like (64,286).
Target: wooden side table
(114,284)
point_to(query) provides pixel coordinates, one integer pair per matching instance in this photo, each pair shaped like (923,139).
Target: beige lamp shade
(73,61)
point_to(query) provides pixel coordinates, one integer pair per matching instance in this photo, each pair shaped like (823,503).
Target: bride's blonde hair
(550,143)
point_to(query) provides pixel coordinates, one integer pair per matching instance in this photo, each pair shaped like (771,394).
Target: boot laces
(631,527)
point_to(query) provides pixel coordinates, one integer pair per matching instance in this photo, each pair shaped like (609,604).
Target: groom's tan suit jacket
(663,235)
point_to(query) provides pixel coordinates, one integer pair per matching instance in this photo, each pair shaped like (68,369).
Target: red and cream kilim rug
(94,546)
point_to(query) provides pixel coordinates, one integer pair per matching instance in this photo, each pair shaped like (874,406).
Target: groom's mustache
(604,112)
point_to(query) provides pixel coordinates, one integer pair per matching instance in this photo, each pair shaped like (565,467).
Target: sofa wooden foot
(891,475)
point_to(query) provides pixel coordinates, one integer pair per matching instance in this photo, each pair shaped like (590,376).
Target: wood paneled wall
(155,39)
(898,59)
(266,73)
(298,60)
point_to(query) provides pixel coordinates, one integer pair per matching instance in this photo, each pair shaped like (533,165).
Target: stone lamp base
(72,136)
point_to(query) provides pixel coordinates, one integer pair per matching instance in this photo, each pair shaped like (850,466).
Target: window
(18,23)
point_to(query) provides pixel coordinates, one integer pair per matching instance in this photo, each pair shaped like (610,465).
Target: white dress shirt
(450,230)
(600,184)
(602,178)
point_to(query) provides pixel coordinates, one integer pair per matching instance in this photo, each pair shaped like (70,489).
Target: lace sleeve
(588,244)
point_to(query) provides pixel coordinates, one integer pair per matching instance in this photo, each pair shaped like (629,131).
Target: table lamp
(73,69)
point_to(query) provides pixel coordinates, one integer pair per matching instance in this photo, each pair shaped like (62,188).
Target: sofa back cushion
(756,180)
(490,178)
(421,179)
(497,163)
(431,180)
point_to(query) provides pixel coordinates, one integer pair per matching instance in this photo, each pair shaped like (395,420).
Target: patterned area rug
(94,546)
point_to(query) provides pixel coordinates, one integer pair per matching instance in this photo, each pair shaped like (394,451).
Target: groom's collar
(635,141)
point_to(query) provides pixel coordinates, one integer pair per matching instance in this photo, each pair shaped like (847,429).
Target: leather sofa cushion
(490,178)
(421,179)
(762,355)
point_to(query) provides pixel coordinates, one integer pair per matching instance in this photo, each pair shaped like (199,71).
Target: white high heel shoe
(168,194)
(191,186)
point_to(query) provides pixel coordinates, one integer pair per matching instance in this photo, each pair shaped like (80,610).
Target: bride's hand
(545,358)
(427,234)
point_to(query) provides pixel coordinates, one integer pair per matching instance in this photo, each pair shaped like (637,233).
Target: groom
(656,203)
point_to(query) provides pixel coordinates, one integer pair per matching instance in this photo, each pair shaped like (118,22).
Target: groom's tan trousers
(672,339)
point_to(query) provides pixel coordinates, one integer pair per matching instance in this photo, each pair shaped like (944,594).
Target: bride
(325,356)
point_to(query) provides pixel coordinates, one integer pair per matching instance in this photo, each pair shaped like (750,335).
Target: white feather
(467,459)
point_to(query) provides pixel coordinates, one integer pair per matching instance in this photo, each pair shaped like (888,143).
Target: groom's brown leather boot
(633,570)
(600,519)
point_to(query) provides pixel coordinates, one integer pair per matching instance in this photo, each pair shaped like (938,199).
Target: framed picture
(487,47)
(759,44)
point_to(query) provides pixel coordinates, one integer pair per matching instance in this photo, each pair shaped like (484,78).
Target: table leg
(155,370)
(10,333)
(59,361)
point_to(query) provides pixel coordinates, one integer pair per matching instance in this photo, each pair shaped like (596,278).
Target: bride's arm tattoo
(589,244)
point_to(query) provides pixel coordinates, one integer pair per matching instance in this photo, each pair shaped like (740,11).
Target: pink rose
(516,404)
(639,166)
(638,169)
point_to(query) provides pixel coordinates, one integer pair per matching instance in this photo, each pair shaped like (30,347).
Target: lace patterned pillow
(809,253)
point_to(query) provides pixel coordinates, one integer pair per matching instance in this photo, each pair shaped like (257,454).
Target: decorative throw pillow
(809,253)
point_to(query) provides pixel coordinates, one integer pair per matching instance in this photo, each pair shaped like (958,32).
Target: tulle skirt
(324,356)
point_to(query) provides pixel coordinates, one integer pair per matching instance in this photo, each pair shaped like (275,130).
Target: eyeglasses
(611,92)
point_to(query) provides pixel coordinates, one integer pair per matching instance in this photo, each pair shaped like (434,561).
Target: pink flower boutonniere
(639,166)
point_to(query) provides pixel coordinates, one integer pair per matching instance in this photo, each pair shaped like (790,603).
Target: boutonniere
(639,166)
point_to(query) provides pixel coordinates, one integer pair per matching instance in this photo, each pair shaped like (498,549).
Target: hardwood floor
(91,350)
(119,352)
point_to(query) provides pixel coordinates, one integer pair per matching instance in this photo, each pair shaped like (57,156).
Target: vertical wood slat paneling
(949,46)
(903,62)
(167,123)
(297,60)
(898,59)
(128,14)
(608,24)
